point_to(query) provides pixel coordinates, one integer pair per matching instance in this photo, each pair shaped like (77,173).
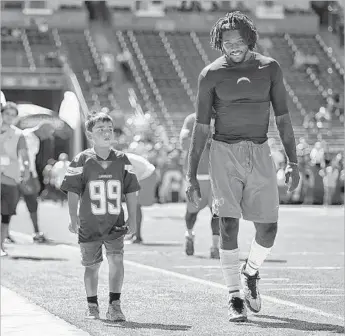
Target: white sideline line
(318,295)
(268,267)
(285,284)
(305,289)
(217,285)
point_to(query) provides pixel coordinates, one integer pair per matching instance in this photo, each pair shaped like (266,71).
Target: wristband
(292,163)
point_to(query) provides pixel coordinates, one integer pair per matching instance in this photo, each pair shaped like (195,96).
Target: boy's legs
(114,250)
(91,253)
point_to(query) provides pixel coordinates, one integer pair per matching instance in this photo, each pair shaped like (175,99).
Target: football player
(145,172)
(205,189)
(95,182)
(240,86)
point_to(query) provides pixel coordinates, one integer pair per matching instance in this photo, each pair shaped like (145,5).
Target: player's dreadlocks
(234,21)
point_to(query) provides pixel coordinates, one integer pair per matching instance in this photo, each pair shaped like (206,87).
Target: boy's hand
(74,224)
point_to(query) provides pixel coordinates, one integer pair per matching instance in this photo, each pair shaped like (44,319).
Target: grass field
(168,293)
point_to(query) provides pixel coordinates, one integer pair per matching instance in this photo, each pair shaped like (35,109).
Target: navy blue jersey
(101,185)
(241,95)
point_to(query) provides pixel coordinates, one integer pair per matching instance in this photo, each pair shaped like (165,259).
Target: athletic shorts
(244,181)
(147,191)
(91,252)
(9,199)
(206,197)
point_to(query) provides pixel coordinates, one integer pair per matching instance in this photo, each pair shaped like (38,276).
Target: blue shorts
(244,181)
(91,252)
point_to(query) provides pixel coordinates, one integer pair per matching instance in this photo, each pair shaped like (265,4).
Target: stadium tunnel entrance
(50,99)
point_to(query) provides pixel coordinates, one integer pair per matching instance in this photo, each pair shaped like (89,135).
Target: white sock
(190,233)
(257,256)
(230,262)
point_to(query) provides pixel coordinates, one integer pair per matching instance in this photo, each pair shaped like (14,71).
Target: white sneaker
(237,310)
(251,289)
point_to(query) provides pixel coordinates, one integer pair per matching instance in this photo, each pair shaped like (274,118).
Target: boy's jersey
(100,185)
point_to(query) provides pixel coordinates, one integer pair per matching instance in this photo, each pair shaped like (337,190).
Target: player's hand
(74,224)
(292,177)
(193,192)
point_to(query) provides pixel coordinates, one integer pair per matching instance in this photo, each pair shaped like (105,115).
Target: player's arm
(282,116)
(186,132)
(202,127)
(22,150)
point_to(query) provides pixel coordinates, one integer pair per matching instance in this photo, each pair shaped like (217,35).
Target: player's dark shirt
(100,185)
(241,95)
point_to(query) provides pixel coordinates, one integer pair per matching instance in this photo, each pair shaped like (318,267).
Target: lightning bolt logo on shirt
(72,171)
(243,79)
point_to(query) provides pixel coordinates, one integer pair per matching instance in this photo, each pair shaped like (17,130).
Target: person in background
(330,176)
(206,192)
(145,172)
(59,170)
(48,181)
(31,189)
(12,148)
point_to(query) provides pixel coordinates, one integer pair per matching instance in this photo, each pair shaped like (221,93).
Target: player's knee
(5,219)
(267,232)
(190,219)
(228,232)
(229,226)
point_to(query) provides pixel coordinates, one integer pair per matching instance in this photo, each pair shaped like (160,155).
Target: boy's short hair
(95,117)
(10,106)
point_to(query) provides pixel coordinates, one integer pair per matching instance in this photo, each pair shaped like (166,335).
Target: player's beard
(237,59)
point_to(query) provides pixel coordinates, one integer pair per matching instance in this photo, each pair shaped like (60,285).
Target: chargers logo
(243,79)
(72,171)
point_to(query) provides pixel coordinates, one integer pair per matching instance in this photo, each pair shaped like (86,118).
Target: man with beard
(240,86)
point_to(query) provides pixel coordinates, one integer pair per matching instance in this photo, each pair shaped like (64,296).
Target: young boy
(96,181)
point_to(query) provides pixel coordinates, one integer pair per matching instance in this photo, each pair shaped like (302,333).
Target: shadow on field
(138,325)
(162,244)
(294,324)
(21,257)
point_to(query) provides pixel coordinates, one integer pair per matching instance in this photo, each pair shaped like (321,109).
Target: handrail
(75,85)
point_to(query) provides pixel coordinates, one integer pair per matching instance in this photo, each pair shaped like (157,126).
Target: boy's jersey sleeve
(130,181)
(73,180)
